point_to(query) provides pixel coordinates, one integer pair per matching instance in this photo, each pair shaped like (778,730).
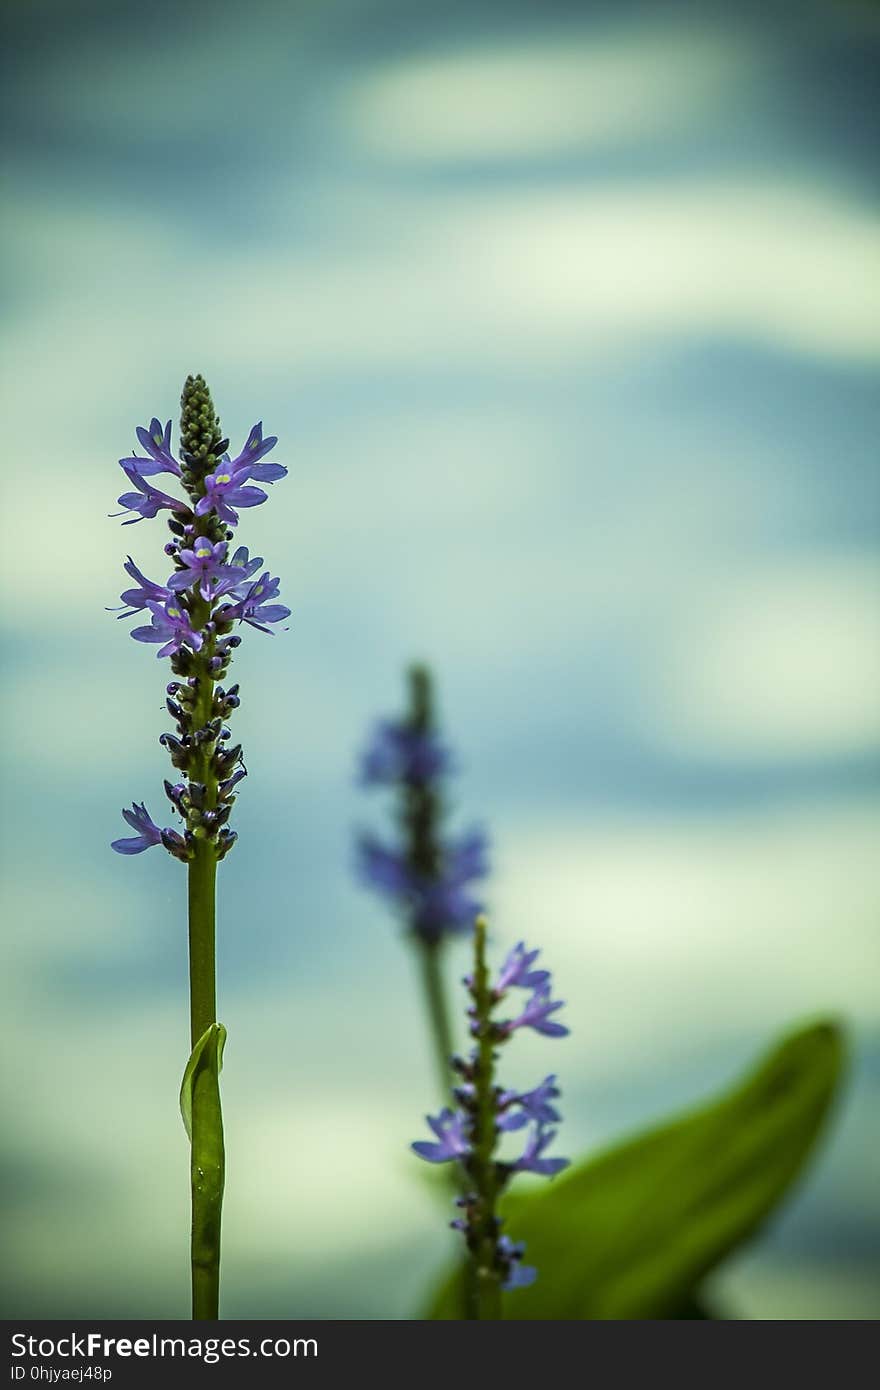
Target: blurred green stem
(438,1013)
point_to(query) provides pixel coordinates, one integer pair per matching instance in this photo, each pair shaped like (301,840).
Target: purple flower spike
(516,971)
(157,443)
(449,1127)
(148,834)
(147,501)
(530,1160)
(486,1111)
(429,877)
(171,625)
(536,1014)
(189,617)
(205,565)
(399,753)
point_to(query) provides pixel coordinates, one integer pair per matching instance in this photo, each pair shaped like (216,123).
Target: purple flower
(449,1127)
(536,1014)
(148,834)
(517,971)
(205,565)
(467,857)
(247,464)
(518,1276)
(381,868)
(242,559)
(434,904)
(443,906)
(530,1160)
(171,625)
(147,501)
(252,606)
(532,1105)
(226,787)
(224,490)
(133,600)
(157,443)
(400,753)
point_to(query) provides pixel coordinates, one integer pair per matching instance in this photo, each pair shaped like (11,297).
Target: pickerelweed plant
(470,1134)
(193,617)
(425,873)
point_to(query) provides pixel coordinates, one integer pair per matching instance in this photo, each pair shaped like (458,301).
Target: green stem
(438,1013)
(202,967)
(484,1282)
(207,1165)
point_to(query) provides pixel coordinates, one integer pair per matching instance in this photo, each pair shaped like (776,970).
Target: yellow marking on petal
(222,478)
(174,612)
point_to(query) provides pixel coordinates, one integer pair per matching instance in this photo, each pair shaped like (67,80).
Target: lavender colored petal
(245,496)
(382,868)
(520,1276)
(512,1120)
(271,613)
(433,1153)
(551,1029)
(265,472)
(256,447)
(133,846)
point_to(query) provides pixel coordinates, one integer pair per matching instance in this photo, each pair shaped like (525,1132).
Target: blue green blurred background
(568,319)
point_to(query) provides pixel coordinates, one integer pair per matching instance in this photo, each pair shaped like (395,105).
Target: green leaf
(631,1233)
(207,1054)
(202,1116)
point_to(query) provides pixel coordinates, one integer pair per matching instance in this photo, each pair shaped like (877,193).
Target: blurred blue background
(568,319)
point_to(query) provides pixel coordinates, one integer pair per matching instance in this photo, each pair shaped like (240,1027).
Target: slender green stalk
(208,1161)
(202,969)
(484,1281)
(422,811)
(430,954)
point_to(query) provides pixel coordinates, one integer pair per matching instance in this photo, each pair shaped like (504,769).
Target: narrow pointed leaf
(202,1116)
(208,1052)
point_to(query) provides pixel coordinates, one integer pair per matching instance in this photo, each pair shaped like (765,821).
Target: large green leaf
(631,1233)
